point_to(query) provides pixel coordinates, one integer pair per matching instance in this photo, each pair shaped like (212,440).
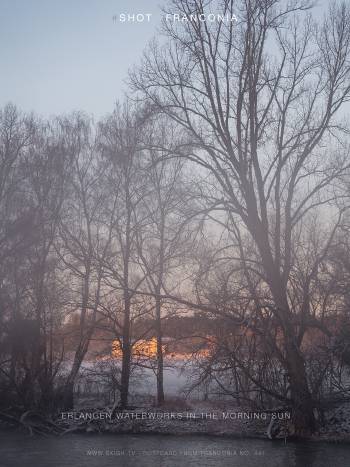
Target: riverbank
(205,420)
(194,420)
(155,421)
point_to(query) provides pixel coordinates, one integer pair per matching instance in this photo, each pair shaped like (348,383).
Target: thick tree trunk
(301,399)
(302,404)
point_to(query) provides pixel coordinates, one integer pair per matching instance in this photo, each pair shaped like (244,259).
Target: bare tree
(81,239)
(259,98)
(120,140)
(33,177)
(166,235)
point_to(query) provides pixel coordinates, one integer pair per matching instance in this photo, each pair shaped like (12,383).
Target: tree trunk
(68,390)
(160,369)
(125,376)
(302,404)
(301,399)
(68,396)
(160,387)
(126,359)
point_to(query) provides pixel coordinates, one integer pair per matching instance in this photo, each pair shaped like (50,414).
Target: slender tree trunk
(127,346)
(126,359)
(86,332)
(160,366)
(68,390)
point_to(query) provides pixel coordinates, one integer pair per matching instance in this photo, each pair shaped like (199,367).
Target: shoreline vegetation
(212,421)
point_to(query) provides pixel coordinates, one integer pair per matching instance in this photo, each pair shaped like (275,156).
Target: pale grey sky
(62,55)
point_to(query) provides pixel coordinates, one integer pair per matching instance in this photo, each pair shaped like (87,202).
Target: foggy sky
(62,55)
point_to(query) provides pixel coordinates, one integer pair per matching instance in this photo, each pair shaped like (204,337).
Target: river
(17,450)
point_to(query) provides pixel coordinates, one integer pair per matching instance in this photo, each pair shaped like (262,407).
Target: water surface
(18,450)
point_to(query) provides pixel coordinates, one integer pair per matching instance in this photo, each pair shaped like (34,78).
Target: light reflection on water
(17,450)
